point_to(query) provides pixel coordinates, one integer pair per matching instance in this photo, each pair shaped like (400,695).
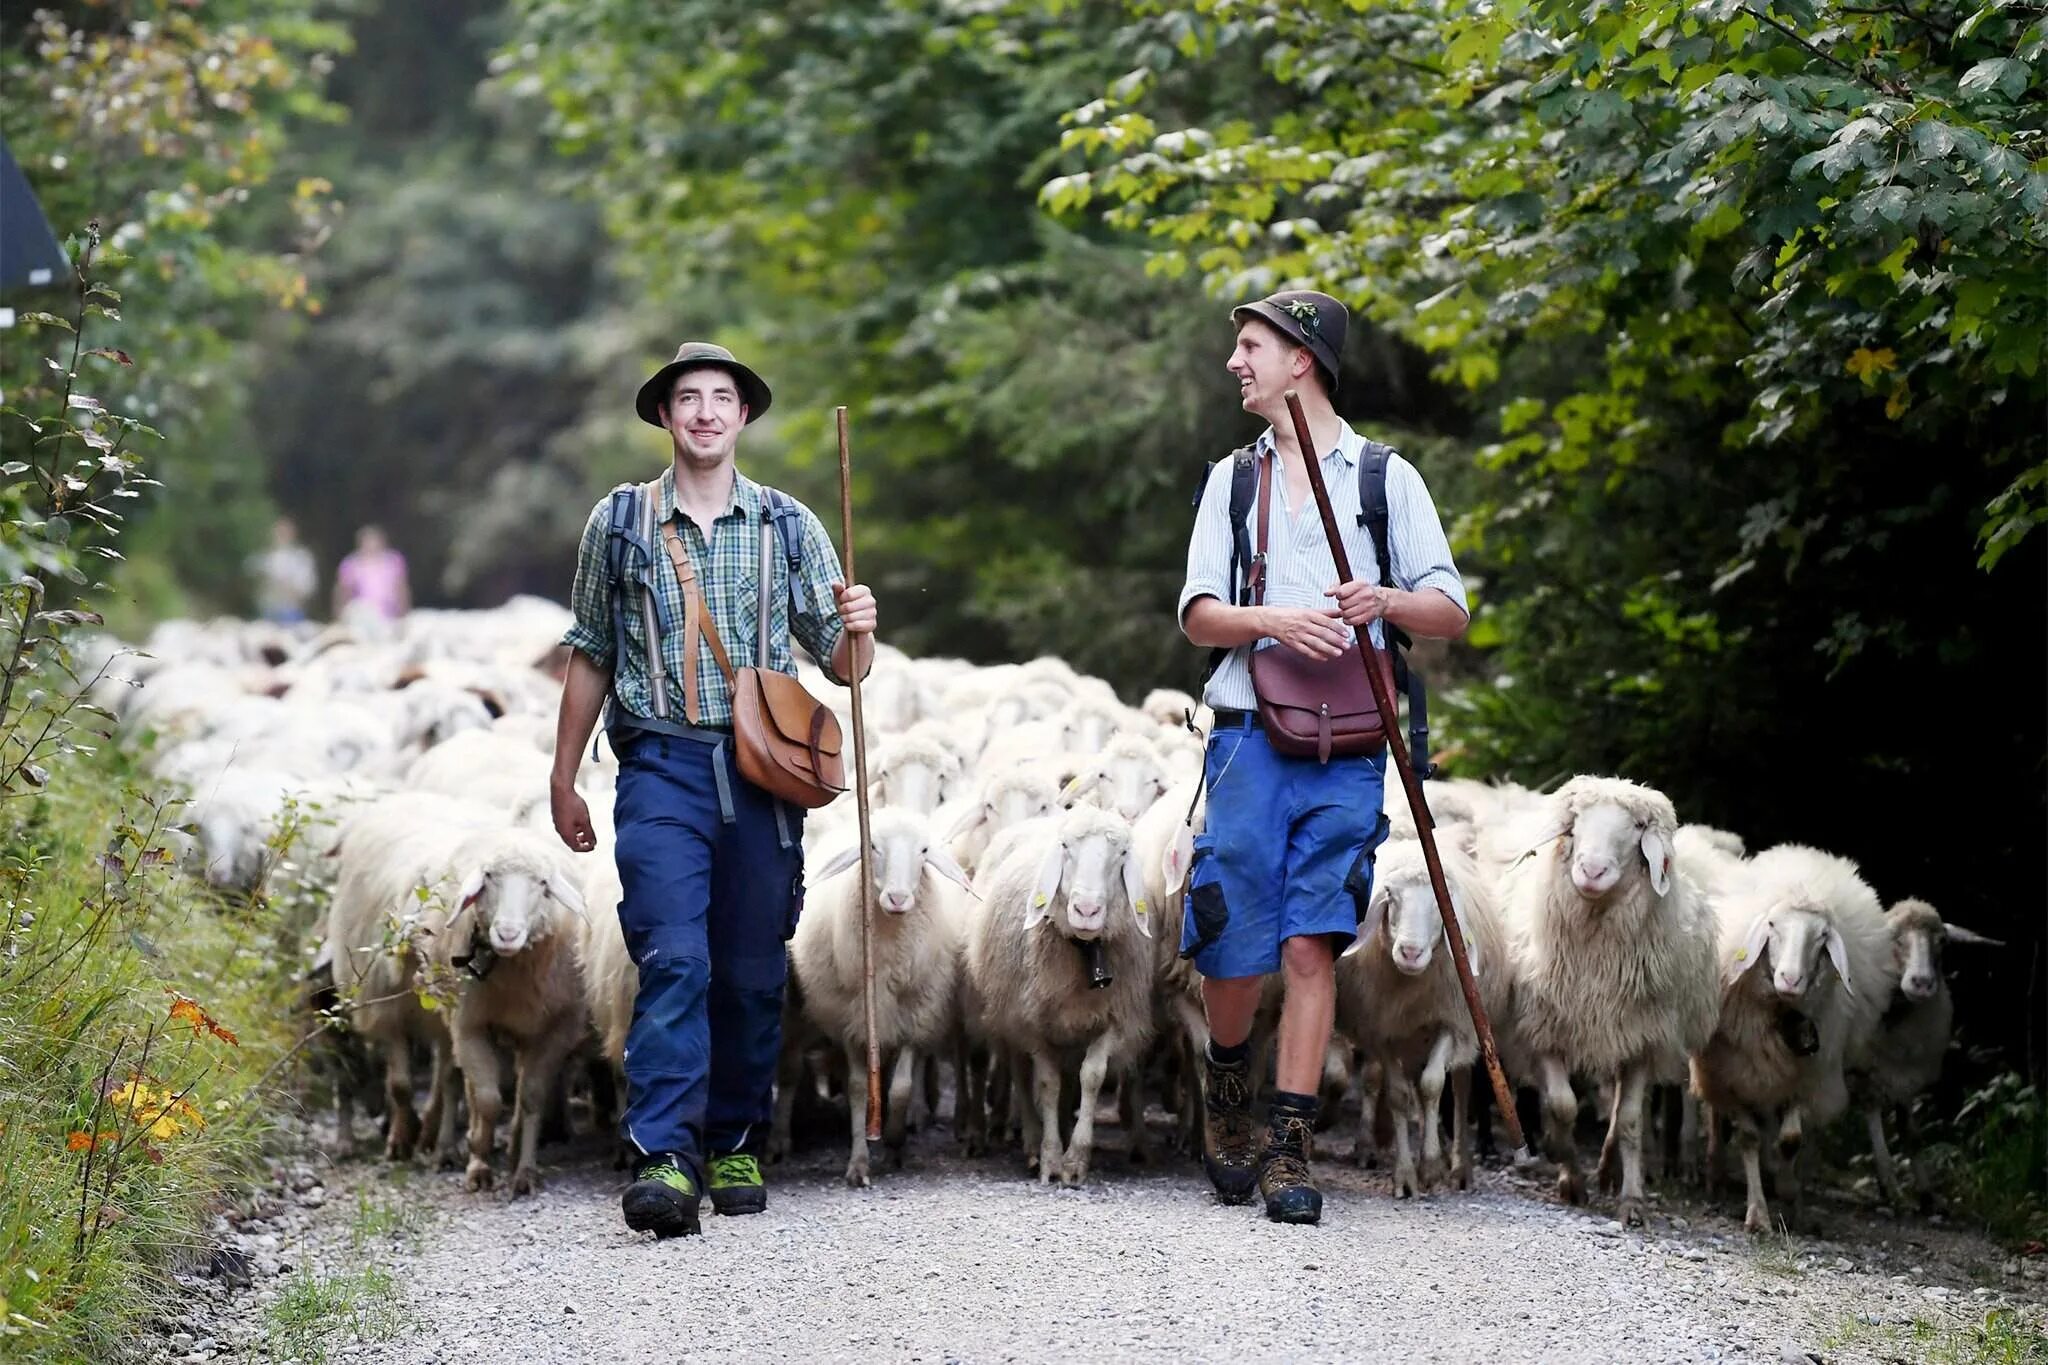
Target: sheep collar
(480,958)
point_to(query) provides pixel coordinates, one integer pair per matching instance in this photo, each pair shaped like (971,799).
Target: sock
(1230,1056)
(1289,1104)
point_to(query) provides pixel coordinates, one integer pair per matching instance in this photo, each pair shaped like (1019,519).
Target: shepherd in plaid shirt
(712,867)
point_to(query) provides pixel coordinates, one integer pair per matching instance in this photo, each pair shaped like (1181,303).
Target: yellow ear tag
(1141,905)
(1741,953)
(1038,900)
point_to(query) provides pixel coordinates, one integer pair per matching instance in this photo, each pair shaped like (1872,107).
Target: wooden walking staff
(860,796)
(1425,829)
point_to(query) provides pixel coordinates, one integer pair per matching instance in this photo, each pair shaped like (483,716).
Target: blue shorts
(1287,852)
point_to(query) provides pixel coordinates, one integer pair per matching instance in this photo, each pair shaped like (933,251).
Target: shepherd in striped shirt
(1283,871)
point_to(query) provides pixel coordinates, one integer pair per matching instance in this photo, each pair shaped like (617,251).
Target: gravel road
(958,1260)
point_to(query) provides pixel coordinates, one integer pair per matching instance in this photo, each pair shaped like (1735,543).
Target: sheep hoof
(449,1160)
(1569,1187)
(1631,1213)
(478,1176)
(525,1180)
(1406,1186)
(857,1173)
(1461,1175)
(1434,1172)
(1074,1170)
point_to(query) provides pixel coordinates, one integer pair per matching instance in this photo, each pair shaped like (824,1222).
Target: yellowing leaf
(1902,398)
(1867,364)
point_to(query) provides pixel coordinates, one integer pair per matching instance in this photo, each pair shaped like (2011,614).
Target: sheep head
(1080,872)
(1404,904)
(1918,936)
(1603,825)
(1127,778)
(1008,799)
(1794,934)
(511,905)
(916,774)
(901,849)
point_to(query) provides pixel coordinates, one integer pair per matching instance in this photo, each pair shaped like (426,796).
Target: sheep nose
(1791,984)
(1409,955)
(1920,987)
(895,902)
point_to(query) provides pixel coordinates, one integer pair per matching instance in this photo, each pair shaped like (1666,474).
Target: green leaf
(2007,74)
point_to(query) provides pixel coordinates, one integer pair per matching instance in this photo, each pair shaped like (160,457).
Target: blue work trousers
(712,870)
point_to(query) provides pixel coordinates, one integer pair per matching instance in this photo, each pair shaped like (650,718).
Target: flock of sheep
(1030,838)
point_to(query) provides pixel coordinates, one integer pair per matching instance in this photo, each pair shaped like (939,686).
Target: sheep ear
(1051,869)
(1079,787)
(1375,916)
(840,861)
(1838,953)
(1134,890)
(940,860)
(1657,853)
(975,815)
(1179,856)
(1958,934)
(1751,951)
(564,889)
(472,887)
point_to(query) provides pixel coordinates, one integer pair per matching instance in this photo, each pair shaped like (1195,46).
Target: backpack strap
(786,515)
(1247,571)
(629,525)
(1372,515)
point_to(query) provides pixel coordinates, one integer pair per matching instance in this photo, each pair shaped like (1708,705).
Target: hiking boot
(663,1198)
(1229,1154)
(1291,1197)
(736,1185)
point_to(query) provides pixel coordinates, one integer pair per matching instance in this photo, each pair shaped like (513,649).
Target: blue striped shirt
(1299,566)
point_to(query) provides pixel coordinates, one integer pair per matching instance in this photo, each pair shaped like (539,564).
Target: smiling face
(1267,364)
(704,414)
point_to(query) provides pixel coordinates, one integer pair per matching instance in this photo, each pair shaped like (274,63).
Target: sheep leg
(539,1076)
(903,1089)
(1689,1113)
(1430,1090)
(404,1131)
(1024,1107)
(1461,1128)
(1910,1143)
(1560,1112)
(441,1105)
(1045,1082)
(857,1114)
(1710,1122)
(1400,1093)
(1372,1085)
(483,1085)
(789,1075)
(1094,1070)
(1756,1216)
(1628,1122)
(970,1098)
(1607,1174)
(1130,1104)
(1194,1025)
(1887,1174)
(1791,1145)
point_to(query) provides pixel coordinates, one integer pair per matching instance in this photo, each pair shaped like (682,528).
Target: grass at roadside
(316,1312)
(2001,1337)
(145,1027)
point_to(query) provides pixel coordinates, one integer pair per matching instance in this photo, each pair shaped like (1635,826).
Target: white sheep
(1126,776)
(916,771)
(1777,1054)
(483,766)
(1613,952)
(1902,1057)
(1168,707)
(1005,800)
(917,943)
(511,940)
(1066,883)
(1399,997)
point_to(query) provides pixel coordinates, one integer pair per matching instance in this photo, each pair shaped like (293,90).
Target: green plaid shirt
(727,571)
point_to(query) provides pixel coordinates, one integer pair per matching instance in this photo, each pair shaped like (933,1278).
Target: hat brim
(1284,323)
(753,390)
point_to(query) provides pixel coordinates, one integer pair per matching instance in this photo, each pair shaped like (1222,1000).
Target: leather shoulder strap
(696,620)
(1257,584)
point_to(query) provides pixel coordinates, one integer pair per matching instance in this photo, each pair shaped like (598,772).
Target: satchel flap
(1284,678)
(789,709)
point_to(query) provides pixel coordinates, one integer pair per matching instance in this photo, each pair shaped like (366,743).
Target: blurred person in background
(285,575)
(371,582)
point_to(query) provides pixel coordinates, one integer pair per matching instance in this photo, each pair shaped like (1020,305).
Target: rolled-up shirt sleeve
(590,598)
(1209,546)
(817,626)
(1416,543)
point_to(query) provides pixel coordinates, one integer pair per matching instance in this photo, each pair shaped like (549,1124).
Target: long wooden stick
(1425,828)
(860,796)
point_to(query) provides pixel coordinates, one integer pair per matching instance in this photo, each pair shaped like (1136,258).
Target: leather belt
(1229,719)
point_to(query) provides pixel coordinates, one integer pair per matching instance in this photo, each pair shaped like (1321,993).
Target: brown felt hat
(1306,318)
(691,354)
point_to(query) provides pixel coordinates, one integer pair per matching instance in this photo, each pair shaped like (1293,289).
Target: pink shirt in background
(378,580)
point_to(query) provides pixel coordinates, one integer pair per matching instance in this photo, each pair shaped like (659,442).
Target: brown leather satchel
(788,742)
(1311,708)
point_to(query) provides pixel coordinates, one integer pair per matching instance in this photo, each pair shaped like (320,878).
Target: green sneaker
(736,1185)
(662,1199)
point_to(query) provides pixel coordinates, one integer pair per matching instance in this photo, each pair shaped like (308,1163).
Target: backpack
(1372,514)
(627,535)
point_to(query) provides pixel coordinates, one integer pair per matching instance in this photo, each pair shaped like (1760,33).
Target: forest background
(1716,329)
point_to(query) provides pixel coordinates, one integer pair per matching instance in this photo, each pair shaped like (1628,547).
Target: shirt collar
(746,497)
(1349,445)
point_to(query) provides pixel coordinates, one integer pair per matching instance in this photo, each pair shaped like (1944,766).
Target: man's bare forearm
(1216,625)
(1429,614)
(584,688)
(853,656)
